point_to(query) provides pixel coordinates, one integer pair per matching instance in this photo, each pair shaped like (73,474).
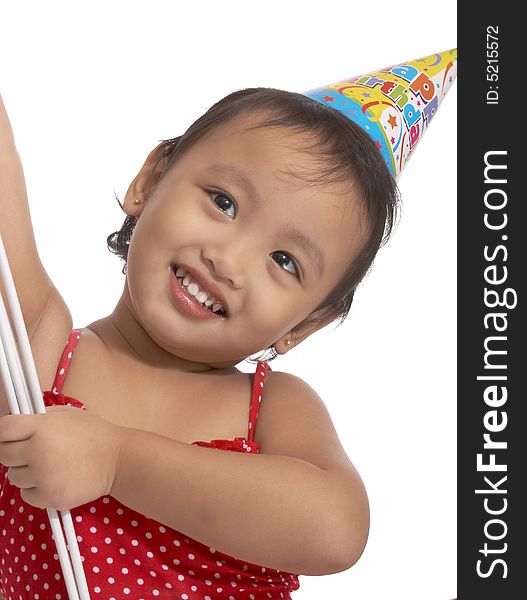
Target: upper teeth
(202,296)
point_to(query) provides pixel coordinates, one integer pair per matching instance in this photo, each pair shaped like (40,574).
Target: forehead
(278,156)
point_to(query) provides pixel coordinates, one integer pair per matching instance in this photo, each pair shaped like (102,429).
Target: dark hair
(345,152)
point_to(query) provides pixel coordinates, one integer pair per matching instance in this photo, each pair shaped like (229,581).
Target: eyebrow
(312,250)
(241,179)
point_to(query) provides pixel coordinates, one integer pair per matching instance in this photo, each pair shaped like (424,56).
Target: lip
(187,302)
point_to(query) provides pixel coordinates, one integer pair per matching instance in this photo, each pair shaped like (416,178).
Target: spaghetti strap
(65,361)
(261,371)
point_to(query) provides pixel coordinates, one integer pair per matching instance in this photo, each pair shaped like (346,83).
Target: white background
(92,87)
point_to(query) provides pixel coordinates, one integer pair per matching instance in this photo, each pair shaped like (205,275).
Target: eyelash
(214,193)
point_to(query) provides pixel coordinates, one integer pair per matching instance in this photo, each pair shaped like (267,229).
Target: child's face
(274,253)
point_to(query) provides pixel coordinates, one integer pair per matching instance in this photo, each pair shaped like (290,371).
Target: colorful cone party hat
(394,105)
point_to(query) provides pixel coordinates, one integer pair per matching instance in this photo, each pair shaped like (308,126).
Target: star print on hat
(394,105)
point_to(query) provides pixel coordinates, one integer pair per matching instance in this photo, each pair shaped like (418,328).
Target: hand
(62,458)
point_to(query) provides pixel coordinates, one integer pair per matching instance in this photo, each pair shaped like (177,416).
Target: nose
(228,260)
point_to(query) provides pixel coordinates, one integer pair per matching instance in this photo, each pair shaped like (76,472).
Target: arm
(278,510)
(34,287)
(36,293)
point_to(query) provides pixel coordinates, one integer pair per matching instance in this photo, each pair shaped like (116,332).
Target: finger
(14,454)
(17,427)
(21,477)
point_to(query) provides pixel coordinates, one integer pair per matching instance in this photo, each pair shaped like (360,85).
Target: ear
(302,331)
(145,182)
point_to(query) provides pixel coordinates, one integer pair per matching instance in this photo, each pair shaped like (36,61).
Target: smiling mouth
(200,295)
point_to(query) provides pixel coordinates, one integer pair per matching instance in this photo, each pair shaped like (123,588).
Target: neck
(122,332)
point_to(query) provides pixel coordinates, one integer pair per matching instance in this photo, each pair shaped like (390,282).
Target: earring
(287,342)
(137,201)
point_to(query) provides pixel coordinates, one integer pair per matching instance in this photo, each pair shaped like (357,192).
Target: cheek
(273,311)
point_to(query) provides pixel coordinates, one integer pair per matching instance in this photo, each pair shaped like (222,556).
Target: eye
(224,203)
(286,262)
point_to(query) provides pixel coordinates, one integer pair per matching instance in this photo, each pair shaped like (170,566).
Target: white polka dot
(94,549)
(155,592)
(181,577)
(126,590)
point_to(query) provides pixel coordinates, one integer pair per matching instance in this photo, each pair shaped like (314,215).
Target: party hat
(394,105)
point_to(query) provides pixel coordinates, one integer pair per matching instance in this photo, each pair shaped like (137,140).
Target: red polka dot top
(125,554)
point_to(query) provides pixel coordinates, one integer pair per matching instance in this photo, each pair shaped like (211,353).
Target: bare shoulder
(294,421)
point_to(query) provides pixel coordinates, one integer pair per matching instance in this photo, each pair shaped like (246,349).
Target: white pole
(14,365)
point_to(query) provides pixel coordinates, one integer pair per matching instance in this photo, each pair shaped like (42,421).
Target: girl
(216,271)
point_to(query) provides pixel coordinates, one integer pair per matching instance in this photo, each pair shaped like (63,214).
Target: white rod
(5,373)
(16,374)
(7,351)
(38,404)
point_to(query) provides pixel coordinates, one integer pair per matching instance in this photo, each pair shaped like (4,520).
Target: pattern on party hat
(394,105)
